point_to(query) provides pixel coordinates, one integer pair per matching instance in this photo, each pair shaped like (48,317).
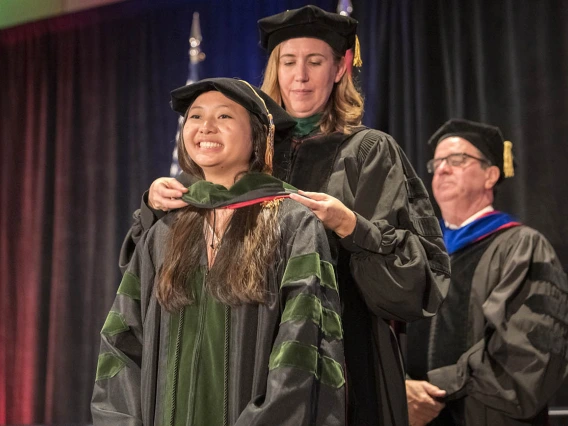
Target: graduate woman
(228,313)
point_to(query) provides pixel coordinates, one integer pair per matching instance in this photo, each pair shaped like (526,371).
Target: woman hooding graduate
(384,237)
(228,312)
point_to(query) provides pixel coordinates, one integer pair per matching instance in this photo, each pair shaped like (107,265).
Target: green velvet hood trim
(251,188)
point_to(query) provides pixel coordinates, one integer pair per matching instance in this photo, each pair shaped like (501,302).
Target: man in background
(496,352)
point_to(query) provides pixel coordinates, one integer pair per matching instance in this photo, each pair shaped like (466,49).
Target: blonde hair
(344,108)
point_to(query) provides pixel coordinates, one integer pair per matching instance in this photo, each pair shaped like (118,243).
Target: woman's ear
(341,69)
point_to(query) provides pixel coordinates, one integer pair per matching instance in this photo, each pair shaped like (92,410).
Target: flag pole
(195,57)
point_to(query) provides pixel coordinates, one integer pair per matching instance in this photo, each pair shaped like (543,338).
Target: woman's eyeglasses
(454,160)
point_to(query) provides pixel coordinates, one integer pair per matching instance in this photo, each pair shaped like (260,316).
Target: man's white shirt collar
(471,218)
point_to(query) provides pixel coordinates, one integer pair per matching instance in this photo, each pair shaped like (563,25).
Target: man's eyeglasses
(454,160)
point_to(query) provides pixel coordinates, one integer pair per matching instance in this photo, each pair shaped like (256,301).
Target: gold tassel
(357,61)
(272,204)
(269,153)
(508,168)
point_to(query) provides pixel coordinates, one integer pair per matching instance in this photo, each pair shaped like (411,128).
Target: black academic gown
(283,360)
(498,345)
(393,267)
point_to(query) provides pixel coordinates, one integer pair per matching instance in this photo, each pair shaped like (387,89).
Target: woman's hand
(332,212)
(165,194)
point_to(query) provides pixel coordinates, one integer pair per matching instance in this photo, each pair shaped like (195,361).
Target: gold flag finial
(195,53)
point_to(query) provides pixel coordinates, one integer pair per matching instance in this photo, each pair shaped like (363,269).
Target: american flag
(195,57)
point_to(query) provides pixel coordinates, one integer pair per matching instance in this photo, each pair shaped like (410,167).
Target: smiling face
(307,71)
(217,136)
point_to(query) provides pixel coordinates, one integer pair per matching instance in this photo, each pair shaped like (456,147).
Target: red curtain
(83,113)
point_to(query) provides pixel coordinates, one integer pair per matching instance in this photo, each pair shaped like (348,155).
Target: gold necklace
(213,239)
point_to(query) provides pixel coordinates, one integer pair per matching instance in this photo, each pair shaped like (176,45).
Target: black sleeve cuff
(148,215)
(355,243)
(450,378)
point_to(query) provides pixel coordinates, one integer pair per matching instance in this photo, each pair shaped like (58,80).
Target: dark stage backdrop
(504,62)
(85,127)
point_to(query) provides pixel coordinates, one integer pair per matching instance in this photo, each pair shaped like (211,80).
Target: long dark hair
(247,248)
